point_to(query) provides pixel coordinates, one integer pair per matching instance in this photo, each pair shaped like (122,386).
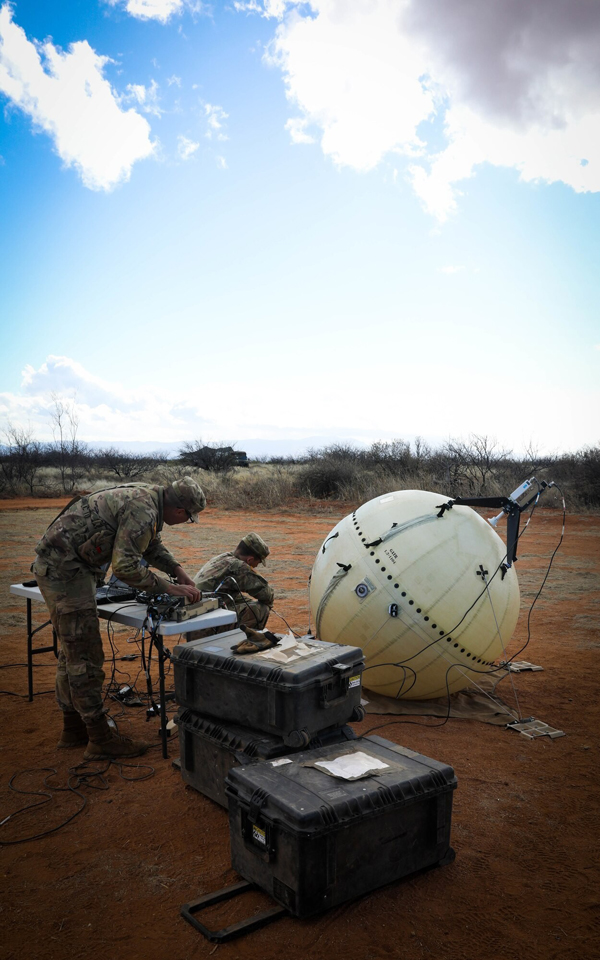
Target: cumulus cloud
(161,10)
(67,96)
(186,148)
(352,72)
(513,84)
(105,410)
(65,376)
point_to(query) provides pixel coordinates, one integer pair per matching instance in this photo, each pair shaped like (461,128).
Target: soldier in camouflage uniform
(233,574)
(120,525)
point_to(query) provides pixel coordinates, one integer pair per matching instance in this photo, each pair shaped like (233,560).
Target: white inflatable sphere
(407,587)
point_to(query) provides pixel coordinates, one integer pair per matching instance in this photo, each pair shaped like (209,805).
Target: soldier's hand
(191,593)
(182,577)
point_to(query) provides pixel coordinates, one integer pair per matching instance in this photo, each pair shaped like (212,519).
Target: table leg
(161,693)
(29,651)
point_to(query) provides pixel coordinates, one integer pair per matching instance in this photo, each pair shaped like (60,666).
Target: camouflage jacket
(243,579)
(119,525)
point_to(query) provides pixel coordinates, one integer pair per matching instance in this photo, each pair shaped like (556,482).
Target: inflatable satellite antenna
(428,590)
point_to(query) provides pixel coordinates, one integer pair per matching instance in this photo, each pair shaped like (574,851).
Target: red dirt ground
(525,825)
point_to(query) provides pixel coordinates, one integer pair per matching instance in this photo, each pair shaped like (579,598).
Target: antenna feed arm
(512,507)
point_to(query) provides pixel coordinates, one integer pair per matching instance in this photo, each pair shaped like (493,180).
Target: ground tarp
(481,703)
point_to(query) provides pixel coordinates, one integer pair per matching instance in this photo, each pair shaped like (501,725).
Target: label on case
(354,682)
(259,835)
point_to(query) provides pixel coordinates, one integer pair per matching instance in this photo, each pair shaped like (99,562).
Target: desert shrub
(21,460)
(328,478)
(125,466)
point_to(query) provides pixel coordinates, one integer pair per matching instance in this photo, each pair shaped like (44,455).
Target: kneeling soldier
(233,574)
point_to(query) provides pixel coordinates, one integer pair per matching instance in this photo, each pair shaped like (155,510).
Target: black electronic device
(115,591)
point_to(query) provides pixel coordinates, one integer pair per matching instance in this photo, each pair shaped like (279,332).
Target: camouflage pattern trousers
(250,612)
(79,674)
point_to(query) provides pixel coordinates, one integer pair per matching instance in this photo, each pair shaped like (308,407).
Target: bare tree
(127,466)
(473,461)
(21,459)
(422,452)
(532,459)
(70,452)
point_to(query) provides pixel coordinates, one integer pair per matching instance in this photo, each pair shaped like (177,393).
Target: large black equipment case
(295,700)
(313,841)
(208,750)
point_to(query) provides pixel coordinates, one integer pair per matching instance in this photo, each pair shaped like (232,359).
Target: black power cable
(88,774)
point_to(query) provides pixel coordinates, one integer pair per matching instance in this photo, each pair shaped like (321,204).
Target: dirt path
(525,827)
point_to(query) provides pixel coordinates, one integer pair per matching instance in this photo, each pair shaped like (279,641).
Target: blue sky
(266,219)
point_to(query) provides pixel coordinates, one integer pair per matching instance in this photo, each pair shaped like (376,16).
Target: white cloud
(173,80)
(146,97)
(297,130)
(186,148)
(268,8)
(65,376)
(215,116)
(67,96)
(161,10)
(515,84)
(354,74)
(181,408)
(106,411)
(222,163)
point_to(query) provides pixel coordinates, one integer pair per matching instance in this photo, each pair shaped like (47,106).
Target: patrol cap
(190,496)
(257,545)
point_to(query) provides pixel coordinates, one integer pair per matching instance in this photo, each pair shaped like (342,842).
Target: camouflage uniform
(119,525)
(226,567)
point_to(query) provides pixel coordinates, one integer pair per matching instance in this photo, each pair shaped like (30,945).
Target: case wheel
(358,714)
(297,738)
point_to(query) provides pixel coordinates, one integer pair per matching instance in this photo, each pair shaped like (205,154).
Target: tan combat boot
(107,744)
(74,732)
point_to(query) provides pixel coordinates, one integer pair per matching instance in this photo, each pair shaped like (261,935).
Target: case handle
(235,929)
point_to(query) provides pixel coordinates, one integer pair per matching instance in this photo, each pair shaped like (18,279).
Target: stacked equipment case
(238,708)
(317,816)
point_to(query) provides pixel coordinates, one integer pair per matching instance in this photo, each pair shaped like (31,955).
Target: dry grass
(312,484)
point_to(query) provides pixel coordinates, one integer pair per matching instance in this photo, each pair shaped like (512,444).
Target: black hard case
(313,841)
(209,750)
(294,701)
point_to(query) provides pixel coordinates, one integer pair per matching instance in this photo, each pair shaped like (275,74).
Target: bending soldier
(234,574)
(119,525)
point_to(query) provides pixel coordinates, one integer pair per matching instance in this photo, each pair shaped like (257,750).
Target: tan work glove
(256,641)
